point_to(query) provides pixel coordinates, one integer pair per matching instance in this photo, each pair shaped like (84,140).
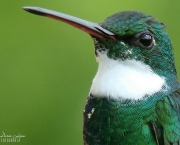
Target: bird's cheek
(120,50)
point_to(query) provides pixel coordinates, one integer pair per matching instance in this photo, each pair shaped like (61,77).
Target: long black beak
(89,27)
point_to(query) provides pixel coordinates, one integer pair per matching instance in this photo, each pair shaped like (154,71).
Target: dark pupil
(146,40)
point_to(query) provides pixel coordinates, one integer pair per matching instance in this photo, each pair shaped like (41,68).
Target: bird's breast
(111,122)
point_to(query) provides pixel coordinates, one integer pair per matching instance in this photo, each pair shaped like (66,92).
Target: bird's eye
(146,40)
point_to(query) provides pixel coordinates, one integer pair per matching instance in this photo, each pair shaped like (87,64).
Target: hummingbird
(135,95)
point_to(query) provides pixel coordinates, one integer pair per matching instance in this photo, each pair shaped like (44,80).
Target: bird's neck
(129,79)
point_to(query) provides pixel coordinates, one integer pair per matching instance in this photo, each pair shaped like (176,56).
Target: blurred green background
(46,67)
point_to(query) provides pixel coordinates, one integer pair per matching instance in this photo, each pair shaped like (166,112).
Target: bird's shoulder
(167,124)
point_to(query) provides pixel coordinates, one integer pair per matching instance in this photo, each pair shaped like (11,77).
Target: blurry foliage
(46,67)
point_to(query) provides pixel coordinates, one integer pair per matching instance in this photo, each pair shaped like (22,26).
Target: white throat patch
(129,79)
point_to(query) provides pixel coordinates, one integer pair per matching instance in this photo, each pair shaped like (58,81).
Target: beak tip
(33,10)
(26,8)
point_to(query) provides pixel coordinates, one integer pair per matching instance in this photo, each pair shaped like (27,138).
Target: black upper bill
(89,27)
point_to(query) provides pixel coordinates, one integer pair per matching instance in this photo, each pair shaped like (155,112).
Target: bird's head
(128,36)
(139,37)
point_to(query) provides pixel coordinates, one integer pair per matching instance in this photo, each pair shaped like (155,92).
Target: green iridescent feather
(145,122)
(153,120)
